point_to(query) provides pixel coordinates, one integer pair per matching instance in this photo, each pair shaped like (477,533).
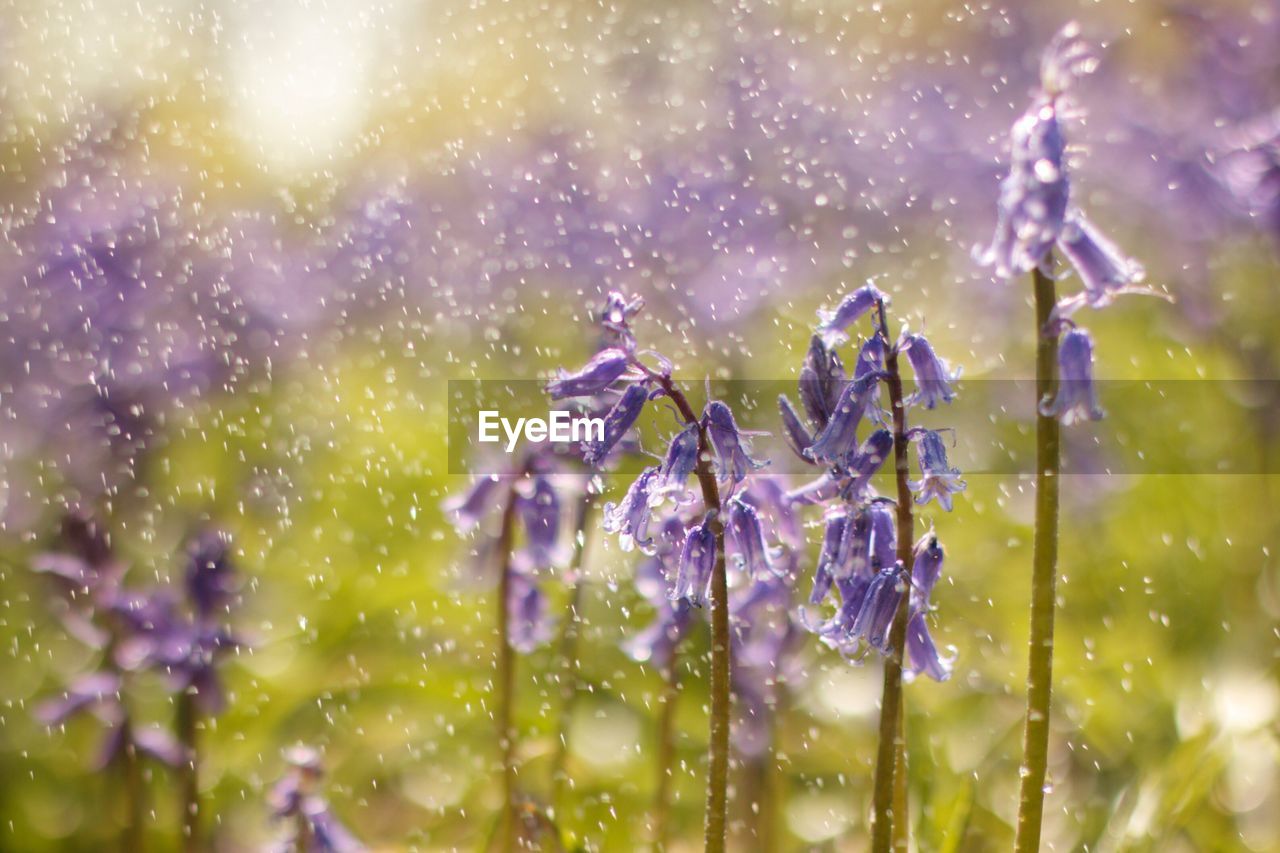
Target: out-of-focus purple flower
(538,504)
(629,518)
(817,491)
(95,690)
(869,459)
(1104,270)
(937,478)
(297,796)
(1034,196)
(616,317)
(733,459)
(656,644)
(828,556)
(747,536)
(680,462)
(821,381)
(470,507)
(878,609)
(769,496)
(933,375)
(697,559)
(794,431)
(833,323)
(839,438)
(529,625)
(1076,398)
(211,576)
(604,368)
(616,423)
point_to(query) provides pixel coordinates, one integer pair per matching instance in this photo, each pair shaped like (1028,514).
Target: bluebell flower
(733,459)
(617,422)
(657,643)
(820,490)
(834,322)
(821,381)
(1104,271)
(616,318)
(297,796)
(1076,398)
(605,368)
(869,459)
(529,626)
(630,517)
(933,375)
(878,608)
(794,430)
(926,568)
(937,478)
(922,652)
(469,508)
(881,534)
(210,577)
(697,560)
(747,535)
(839,438)
(871,360)
(833,535)
(679,464)
(538,505)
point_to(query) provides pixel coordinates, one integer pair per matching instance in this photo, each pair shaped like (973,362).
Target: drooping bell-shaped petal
(538,505)
(469,508)
(747,536)
(605,368)
(697,561)
(770,498)
(871,360)
(922,653)
(657,643)
(937,478)
(679,464)
(733,459)
(933,375)
(879,607)
(158,744)
(616,316)
(869,459)
(528,625)
(834,322)
(882,534)
(926,568)
(629,518)
(817,491)
(838,440)
(620,418)
(793,428)
(1076,398)
(1104,270)
(211,576)
(87,691)
(821,380)
(828,556)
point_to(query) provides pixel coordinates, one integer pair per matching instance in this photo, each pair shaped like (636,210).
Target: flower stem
(666,755)
(569,654)
(189,772)
(1044,579)
(891,749)
(718,772)
(134,793)
(505,685)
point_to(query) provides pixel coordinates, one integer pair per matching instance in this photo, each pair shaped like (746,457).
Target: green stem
(718,771)
(505,685)
(569,655)
(1044,579)
(891,746)
(189,772)
(134,794)
(666,755)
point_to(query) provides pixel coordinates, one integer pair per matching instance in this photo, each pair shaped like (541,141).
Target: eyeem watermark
(558,427)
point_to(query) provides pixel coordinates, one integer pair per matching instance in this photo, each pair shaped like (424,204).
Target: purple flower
(881,535)
(829,555)
(868,460)
(95,690)
(733,458)
(933,376)
(528,626)
(878,609)
(616,319)
(747,536)
(630,518)
(297,796)
(616,423)
(469,508)
(937,478)
(657,643)
(1076,399)
(606,367)
(538,504)
(821,380)
(821,490)
(871,360)
(1104,271)
(926,568)
(793,429)
(833,323)
(681,460)
(697,559)
(211,577)
(922,654)
(838,439)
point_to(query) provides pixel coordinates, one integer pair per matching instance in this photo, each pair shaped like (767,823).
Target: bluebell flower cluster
(298,798)
(132,630)
(858,557)
(1037,213)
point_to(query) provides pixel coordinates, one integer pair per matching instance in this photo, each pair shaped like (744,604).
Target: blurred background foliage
(246,244)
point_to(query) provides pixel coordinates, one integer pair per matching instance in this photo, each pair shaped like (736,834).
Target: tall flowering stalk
(1037,214)
(715,452)
(868,541)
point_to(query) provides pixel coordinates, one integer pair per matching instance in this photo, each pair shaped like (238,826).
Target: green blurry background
(371,629)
